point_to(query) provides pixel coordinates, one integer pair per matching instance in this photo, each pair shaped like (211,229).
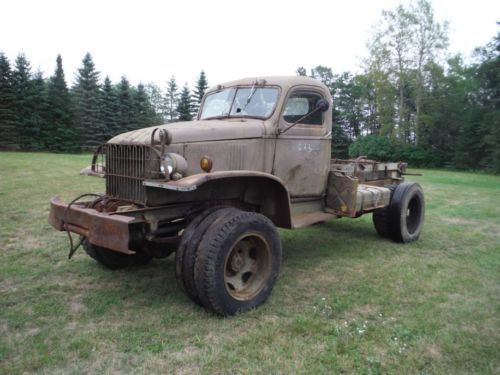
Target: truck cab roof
(285,82)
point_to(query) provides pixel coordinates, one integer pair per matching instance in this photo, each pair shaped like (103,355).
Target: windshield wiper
(254,89)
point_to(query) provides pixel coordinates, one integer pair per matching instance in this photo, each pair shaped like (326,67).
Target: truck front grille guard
(124,167)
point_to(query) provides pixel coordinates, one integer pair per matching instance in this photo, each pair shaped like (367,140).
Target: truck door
(302,158)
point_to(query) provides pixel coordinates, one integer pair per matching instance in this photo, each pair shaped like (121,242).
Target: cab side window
(301,103)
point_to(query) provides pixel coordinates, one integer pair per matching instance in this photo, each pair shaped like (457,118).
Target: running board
(305,219)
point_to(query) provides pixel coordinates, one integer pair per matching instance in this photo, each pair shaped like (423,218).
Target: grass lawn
(346,301)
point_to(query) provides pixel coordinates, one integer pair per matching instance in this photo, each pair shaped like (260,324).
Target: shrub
(383,149)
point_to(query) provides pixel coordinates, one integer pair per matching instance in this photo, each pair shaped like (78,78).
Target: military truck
(215,190)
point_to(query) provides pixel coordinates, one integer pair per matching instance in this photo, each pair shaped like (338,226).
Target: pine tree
(125,114)
(109,109)
(199,91)
(8,131)
(185,105)
(21,76)
(86,105)
(59,134)
(29,103)
(171,99)
(144,113)
(38,118)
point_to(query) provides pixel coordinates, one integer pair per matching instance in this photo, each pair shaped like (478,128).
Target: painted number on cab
(306,147)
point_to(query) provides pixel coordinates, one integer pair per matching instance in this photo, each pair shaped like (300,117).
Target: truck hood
(197,131)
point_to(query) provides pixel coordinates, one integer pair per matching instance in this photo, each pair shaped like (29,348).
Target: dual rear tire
(228,260)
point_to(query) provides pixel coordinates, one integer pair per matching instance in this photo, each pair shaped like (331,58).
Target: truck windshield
(240,102)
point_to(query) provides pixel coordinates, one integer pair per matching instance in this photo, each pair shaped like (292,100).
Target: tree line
(45,114)
(413,102)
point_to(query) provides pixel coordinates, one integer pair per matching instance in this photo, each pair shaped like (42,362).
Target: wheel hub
(237,261)
(248,266)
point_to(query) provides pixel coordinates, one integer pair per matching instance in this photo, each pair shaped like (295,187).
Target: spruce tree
(109,109)
(125,114)
(59,134)
(86,105)
(28,104)
(38,118)
(39,105)
(199,91)
(8,131)
(171,99)
(185,105)
(144,113)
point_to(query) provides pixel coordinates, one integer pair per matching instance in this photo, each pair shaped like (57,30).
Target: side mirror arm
(322,105)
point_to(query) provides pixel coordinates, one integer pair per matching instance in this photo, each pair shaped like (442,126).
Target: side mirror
(322,105)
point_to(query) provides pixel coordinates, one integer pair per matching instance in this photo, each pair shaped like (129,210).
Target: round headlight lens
(168,165)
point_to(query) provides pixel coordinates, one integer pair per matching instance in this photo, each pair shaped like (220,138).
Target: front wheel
(238,263)
(113,259)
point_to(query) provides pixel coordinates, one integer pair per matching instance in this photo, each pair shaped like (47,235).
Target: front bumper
(114,232)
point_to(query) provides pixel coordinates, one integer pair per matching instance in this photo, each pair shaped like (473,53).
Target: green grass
(346,301)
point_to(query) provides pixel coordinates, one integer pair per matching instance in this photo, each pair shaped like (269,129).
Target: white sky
(151,40)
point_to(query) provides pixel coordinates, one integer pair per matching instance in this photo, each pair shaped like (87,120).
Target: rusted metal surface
(111,232)
(347,197)
(258,191)
(126,167)
(368,171)
(247,267)
(341,194)
(191,183)
(369,198)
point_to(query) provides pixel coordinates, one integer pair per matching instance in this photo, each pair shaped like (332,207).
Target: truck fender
(256,188)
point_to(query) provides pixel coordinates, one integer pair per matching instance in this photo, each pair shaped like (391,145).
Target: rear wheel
(238,263)
(112,259)
(381,217)
(403,219)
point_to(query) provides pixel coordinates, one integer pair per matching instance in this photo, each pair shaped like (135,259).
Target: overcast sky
(152,40)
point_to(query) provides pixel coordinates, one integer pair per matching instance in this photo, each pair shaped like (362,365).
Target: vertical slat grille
(126,167)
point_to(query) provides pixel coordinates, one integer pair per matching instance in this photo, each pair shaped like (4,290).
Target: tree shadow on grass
(335,239)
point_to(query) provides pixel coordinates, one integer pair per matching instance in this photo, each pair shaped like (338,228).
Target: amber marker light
(206,164)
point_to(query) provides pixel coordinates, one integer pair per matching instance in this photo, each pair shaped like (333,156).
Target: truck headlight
(167,165)
(173,163)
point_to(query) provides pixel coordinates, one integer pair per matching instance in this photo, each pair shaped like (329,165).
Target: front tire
(187,252)
(238,263)
(114,260)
